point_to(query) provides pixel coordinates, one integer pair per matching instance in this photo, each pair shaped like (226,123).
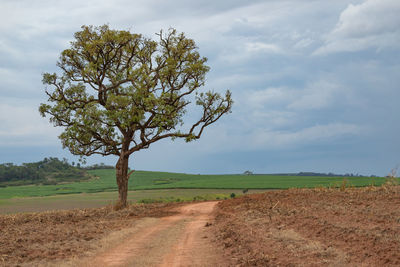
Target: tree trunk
(122,181)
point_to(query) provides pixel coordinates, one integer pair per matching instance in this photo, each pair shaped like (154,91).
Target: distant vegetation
(100,166)
(49,171)
(319,174)
(327,174)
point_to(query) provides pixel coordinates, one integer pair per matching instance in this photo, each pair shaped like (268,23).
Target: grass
(72,201)
(145,180)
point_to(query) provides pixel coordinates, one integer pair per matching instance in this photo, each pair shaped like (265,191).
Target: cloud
(317,95)
(21,125)
(270,96)
(245,51)
(372,24)
(257,47)
(303,43)
(260,137)
(305,136)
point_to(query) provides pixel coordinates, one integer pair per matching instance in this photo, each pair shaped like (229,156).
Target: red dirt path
(188,245)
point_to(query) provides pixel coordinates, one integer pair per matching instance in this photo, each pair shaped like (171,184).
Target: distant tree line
(47,171)
(98,166)
(330,174)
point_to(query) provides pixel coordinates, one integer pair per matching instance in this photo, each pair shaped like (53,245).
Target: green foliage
(48,171)
(118,92)
(98,167)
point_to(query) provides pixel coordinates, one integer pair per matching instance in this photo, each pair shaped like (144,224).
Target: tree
(248,173)
(119,92)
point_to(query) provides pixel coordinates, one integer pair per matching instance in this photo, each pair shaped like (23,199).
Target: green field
(94,200)
(144,180)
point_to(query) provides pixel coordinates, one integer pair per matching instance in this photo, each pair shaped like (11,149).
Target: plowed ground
(55,237)
(310,227)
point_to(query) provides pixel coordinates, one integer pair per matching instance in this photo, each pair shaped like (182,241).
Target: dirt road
(179,240)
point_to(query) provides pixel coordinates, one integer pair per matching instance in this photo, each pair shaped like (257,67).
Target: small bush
(150,200)
(391,181)
(233,195)
(199,198)
(344,185)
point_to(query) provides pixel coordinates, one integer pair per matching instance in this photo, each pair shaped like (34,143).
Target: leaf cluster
(118,92)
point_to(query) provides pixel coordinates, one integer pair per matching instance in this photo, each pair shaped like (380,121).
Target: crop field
(145,180)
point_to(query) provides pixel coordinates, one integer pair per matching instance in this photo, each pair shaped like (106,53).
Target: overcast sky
(316,83)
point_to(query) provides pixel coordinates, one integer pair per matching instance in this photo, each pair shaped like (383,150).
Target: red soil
(38,238)
(354,227)
(177,240)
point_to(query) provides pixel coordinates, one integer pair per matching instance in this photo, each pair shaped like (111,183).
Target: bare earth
(313,227)
(297,227)
(178,240)
(63,238)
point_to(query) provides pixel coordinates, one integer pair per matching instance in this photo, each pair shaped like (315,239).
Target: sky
(316,83)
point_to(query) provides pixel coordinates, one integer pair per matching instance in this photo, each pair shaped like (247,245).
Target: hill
(49,171)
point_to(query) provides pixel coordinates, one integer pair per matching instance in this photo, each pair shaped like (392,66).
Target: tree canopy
(118,92)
